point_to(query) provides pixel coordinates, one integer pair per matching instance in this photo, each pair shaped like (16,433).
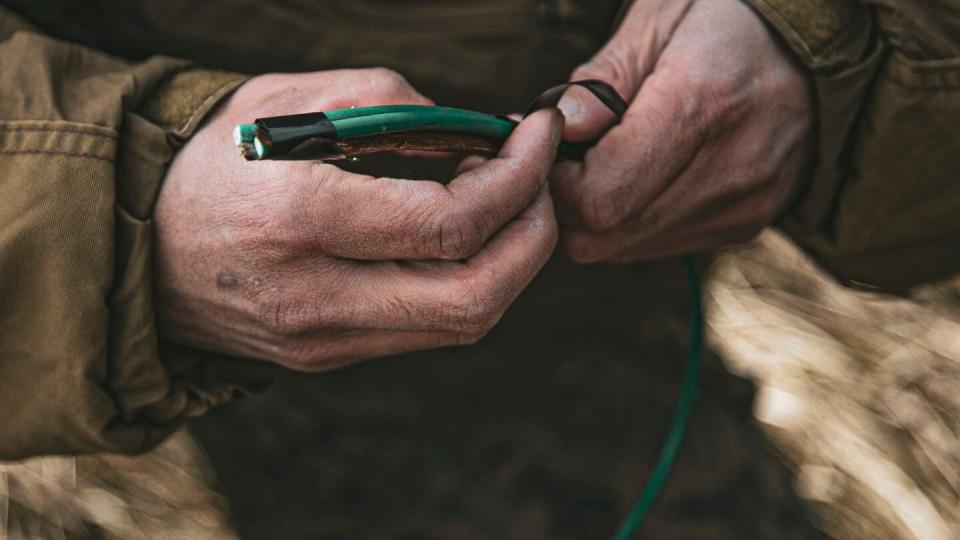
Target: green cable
(682,415)
(360,122)
(364,121)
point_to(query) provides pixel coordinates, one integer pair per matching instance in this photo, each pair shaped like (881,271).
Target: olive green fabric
(85,138)
(80,363)
(881,207)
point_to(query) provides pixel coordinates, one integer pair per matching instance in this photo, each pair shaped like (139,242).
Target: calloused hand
(713,145)
(309,266)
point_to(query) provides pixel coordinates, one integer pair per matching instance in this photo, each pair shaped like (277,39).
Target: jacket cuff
(825,34)
(157,385)
(160,125)
(836,41)
(181,102)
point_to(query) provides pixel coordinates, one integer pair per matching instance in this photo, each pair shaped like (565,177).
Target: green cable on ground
(682,415)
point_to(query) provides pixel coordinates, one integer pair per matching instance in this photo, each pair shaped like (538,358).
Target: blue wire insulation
(682,415)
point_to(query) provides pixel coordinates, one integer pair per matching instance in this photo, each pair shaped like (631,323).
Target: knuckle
(388,78)
(615,65)
(456,236)
(474,313)
(289,220)
(601,212)
(287,319)
(789,87)
(718,85)
(708,95)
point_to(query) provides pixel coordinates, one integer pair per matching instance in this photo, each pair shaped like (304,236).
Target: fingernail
(571,109)
(558,122)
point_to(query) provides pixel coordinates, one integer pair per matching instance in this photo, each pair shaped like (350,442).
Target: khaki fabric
(880,209)
(80,362)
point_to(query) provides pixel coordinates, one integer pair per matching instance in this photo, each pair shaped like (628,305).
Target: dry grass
(860,391)
(166,494)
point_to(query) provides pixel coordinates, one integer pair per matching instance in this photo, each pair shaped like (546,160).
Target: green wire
(390,120)
(360,112)
(365,121)
(680,419)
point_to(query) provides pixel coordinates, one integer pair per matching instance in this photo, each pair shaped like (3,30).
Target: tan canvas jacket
(94,103)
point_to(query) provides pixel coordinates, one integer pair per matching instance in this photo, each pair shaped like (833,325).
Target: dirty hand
(309,266)
(714,143)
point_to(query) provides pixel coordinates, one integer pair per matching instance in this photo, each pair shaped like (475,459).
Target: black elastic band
(601,90)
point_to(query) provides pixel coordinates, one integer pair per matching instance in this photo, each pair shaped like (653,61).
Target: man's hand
(310,266)
(716,139)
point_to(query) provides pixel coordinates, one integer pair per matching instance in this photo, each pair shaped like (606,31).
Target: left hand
(714,143)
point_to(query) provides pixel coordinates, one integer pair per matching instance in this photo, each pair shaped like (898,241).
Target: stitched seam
(59,153)
(939,75)
(935,87)
(203,103)
(64,129)
(844,33)
(784,25)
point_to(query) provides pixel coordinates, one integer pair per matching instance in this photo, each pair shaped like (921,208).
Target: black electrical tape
(297,136)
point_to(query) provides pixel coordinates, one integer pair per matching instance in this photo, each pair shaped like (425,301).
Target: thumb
(586,117)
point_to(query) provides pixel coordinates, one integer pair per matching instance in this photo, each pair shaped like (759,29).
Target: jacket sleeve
(84,141)
(881,208)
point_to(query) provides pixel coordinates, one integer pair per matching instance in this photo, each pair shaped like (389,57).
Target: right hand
(310,266)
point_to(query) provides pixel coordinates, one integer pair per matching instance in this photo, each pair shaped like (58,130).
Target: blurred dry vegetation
(859,392)
(166,494)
